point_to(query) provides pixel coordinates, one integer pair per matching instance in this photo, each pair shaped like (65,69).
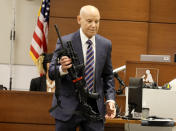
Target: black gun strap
(86,111)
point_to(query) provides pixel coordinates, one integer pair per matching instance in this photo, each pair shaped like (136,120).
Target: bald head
(88,19)
(89,9)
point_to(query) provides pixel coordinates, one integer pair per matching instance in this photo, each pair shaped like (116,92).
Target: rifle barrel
(58,34)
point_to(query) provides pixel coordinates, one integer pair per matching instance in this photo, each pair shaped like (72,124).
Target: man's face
(89,23)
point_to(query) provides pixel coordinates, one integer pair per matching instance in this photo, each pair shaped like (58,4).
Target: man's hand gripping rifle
(76,73)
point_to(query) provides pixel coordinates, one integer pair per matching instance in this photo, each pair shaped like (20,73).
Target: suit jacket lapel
(98,51)
(98,54)
(77,46)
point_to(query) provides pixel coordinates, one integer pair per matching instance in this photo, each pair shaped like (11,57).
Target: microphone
(120,90)
(119,79)
(115,73)
(119,69)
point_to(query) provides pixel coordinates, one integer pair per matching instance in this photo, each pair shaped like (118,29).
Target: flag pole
(12,38)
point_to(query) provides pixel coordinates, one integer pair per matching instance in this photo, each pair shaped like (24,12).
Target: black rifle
(76,72)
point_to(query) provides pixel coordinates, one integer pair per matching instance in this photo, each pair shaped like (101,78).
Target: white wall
(23,70)
(21,76)
(26,17)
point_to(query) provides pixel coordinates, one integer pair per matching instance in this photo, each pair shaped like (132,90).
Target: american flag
(40,35)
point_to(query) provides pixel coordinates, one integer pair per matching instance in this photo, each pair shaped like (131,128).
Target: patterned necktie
(89,68)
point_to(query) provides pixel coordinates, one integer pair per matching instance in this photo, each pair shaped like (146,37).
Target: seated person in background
(3,87)
(43,83)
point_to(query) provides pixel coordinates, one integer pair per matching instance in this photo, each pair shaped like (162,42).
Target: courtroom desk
(24,110)
(115,121)
(118,124)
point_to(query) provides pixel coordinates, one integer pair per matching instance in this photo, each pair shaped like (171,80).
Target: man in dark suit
(101,75)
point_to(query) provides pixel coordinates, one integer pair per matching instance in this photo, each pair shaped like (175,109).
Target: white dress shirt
(84,39)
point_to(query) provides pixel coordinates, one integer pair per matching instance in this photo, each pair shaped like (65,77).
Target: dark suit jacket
(104,80)
(38,84)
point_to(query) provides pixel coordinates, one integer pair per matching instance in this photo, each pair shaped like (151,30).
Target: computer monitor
(134,96)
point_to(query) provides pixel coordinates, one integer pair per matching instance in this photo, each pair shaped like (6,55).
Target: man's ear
(78,19)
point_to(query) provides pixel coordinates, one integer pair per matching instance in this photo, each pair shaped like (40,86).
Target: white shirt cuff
(110,101)
(61,71)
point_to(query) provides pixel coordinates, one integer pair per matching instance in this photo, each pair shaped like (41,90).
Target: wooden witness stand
(22,110)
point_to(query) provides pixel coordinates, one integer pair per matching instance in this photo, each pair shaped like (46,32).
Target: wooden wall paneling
(163,11)
(128,39)
(124,36)
(65,25)
(162,39)
(109,9)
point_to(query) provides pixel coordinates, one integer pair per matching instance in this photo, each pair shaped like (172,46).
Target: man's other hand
(110,110)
